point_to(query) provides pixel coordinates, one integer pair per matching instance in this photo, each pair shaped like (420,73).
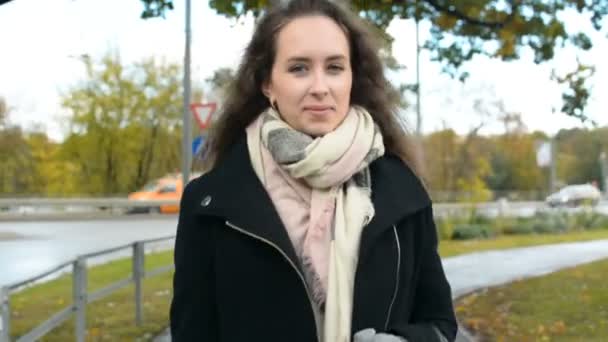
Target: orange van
(166,188)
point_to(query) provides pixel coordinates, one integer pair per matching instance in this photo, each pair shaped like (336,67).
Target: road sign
(197,143)
(203,112)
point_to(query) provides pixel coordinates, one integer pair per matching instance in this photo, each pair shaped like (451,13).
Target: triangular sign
(202,113)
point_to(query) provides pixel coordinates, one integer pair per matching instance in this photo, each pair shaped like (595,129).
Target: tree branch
(453,11)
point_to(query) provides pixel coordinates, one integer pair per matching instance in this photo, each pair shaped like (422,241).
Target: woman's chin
(317,130)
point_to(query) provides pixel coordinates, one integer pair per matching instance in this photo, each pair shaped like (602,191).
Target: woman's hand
(370,335)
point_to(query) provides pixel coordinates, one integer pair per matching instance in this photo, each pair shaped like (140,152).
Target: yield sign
(203,112)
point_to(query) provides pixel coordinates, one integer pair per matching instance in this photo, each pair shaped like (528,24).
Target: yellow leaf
(558,327)
(541,329)
(446,21)
(94,332)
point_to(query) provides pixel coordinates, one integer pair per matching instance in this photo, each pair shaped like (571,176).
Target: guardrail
(48,208)
(127,203)
(80,296)
(35,207)
(9,208)
(498,208)
(108,202)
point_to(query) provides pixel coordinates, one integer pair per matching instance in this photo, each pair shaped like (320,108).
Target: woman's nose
(319,86)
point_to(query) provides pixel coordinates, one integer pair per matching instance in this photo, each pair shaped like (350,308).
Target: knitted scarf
(321,188)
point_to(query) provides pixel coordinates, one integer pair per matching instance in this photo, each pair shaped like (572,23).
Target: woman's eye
(336,67)
(297,68)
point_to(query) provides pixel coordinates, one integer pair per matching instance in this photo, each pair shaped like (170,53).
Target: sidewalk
(470,272)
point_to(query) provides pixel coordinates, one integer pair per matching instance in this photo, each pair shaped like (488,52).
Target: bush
(601,223)
(546,222)
(519,228)
(479,219)
(588,220)
(445,227)
(472,231)
(508,225)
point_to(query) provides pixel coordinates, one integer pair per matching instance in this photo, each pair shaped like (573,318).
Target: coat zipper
(390,308)
(241,230)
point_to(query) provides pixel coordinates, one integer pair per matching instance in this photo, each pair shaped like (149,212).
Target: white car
(574,195)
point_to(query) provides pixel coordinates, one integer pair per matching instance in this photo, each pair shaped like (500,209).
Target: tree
(125,124)
(457,167)
(52,175)
(220,81)
(579,154)
(440,165)
(16,166)
(3,112)
(462,29)
(513,162)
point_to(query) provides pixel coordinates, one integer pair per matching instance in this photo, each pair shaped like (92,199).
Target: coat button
(205,202)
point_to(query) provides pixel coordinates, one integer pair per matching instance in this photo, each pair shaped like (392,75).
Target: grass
(109,319)
(569,305)
(448,248)
(113,318)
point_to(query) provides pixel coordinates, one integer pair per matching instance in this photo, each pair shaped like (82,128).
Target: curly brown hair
(371,90)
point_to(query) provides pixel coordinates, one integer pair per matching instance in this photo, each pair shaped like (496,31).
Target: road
(43,245)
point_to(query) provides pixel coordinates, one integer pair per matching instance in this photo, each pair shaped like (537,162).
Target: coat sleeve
(193,312)
(432,311)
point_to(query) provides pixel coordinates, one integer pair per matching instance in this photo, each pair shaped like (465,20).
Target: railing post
(138,275)
(5,315)
(79,292)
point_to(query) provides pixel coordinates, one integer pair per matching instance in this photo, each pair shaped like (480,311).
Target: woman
(309,224)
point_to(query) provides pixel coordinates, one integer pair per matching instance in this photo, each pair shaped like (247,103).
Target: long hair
(370,89)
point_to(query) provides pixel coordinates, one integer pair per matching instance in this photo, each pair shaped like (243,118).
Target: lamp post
(418,104)
(553,166)
(187,129)
(604,172)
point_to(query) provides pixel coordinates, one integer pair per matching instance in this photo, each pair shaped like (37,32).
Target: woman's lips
(319,110)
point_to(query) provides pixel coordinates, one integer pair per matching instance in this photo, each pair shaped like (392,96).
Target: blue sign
(197,143)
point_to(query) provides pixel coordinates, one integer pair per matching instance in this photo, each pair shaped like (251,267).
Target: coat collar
(238,196)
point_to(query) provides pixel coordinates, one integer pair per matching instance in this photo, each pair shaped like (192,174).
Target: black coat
(237,277)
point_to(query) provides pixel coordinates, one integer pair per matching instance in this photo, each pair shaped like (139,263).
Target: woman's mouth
(318,110)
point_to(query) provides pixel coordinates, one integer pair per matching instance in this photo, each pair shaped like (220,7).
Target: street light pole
(186,128)
(418,104)
(553,166)
(604,172)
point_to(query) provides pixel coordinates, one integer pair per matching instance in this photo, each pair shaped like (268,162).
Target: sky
(40,42)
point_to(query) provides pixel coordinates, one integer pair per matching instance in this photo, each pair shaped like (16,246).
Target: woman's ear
(271,99)
(266,89)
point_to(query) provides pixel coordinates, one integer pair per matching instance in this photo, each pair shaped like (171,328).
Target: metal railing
(497,208)
(122,203)
(87,202)
(80,295)
(119,206)
(41,208)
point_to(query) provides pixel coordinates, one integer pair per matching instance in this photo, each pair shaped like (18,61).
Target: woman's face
(311,78)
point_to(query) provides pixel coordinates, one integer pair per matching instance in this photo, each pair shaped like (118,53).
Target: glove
(370,335)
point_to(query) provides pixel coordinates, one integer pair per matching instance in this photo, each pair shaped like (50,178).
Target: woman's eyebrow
(307,59)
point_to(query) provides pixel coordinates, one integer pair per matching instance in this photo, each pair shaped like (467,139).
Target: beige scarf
(321,188)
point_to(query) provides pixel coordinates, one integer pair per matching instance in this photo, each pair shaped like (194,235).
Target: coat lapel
(396,193)
(238,197)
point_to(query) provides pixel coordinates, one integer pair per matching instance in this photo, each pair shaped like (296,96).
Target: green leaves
(577,93)
(496,28)
(156,8)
